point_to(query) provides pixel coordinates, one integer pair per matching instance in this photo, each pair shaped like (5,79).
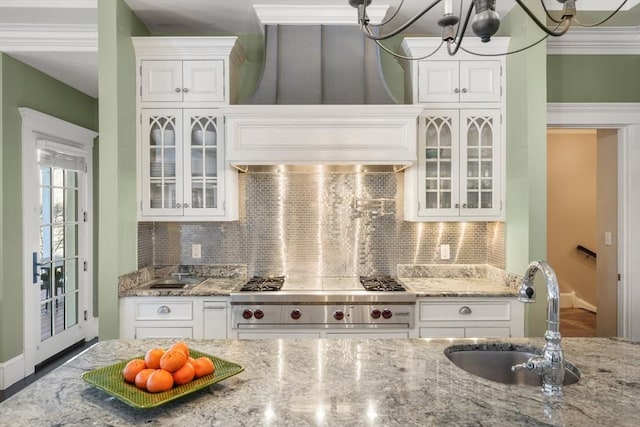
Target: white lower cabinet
(174,317)
(470,318)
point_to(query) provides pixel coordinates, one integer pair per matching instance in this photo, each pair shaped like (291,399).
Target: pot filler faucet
(550,365)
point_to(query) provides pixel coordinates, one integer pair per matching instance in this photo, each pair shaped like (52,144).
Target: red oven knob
(386,313)
(375,313)
(338,315)
(246,314)
(258,314)
(296,314)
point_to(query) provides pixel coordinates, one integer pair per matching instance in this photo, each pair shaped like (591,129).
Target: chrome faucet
(550,365)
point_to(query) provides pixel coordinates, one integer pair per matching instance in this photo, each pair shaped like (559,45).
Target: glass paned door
(480,162)
(439,158)
(58,252)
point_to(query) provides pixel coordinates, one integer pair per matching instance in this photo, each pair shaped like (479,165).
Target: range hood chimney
(321,98)
(320,64)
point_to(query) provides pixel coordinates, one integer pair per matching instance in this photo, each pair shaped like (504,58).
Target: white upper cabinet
(183,172)
(458,81)
(461,164)
(191,72)
(182,81)
(459,173)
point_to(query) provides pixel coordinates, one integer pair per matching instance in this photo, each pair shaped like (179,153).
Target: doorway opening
(582,227)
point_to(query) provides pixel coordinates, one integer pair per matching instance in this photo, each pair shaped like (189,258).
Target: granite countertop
(457,280)
(352,382)
(220,280)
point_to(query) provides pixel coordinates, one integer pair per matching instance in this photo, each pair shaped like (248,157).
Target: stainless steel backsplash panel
(327,223)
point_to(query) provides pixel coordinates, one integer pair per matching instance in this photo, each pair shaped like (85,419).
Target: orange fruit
(184,374)
(132,368)
(152,358)
(181,345)
(191,360)
(203,366)
(159,380)
(172,360)
(142,377)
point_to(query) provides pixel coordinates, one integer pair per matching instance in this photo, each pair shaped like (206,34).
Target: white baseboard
(11,371)
(571,300)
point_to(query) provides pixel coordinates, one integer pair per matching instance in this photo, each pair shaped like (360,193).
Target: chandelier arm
(458,43)
(409,58)
(605,19)
(541,25)
(546,36)
(557,21)
(402,27)
(390,18)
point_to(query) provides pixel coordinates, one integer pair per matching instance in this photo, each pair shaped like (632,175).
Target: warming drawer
(465,310)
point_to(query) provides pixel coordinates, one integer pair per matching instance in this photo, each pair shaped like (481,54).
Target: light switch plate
(444,252)
(607,238)
(196,251)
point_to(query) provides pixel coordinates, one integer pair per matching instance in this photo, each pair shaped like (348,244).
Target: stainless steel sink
(494,362)
(174,283)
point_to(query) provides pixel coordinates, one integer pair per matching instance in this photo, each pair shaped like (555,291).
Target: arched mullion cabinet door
(161,162)
(480,186)
(203,165)
(438,153)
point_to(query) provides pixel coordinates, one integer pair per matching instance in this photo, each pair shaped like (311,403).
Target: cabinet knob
(178,90)
(185,89)
(456,90)
(163,309)
(178,205)
(464,310)
(464,90)
(457,206)
(464,205)
(186,205)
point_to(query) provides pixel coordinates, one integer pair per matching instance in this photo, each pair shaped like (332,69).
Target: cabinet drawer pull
(215,307)
(163,309)
(464,310)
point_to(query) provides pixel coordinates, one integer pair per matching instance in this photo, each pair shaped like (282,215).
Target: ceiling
(59,37)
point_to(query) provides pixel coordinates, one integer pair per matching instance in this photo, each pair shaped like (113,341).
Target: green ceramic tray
(110,380)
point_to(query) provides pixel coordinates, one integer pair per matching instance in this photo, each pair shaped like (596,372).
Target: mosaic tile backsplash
(321,224)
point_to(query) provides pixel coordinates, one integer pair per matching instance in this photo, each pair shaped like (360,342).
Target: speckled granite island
(344,382)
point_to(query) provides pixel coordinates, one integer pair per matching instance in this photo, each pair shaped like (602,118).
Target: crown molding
(48,38)
(269,14)
(596,41)
(590,114)
(594,5)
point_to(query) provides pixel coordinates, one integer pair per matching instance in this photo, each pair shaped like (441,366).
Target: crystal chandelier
(484,23)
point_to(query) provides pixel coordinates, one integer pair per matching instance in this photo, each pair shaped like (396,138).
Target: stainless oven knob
(386,313)
(375,313)
(296,314)
(338,315)
(258,314)
(246,314)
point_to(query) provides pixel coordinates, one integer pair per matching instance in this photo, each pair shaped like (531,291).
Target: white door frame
(625,117)
(37,126)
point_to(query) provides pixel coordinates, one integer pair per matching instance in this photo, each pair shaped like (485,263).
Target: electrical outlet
(196,251)
(444,252)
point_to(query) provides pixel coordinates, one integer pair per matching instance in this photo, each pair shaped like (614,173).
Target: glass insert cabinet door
(460,158)
(480,162)
(439,159)
(182,154)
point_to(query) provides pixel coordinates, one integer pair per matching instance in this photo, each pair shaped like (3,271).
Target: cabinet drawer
(499,310)
(164,310)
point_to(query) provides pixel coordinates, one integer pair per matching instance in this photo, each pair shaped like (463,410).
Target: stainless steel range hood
(321,98)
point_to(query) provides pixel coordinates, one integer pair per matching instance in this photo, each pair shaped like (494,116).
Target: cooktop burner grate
(381,284)
(262,284)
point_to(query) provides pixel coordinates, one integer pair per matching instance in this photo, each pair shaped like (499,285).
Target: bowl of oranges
(161,375)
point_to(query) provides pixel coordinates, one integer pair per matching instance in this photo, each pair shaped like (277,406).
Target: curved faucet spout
(551,364)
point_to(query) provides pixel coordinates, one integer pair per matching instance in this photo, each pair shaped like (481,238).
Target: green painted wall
(24,86)
(526,205)
(593,78)
(117,153)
